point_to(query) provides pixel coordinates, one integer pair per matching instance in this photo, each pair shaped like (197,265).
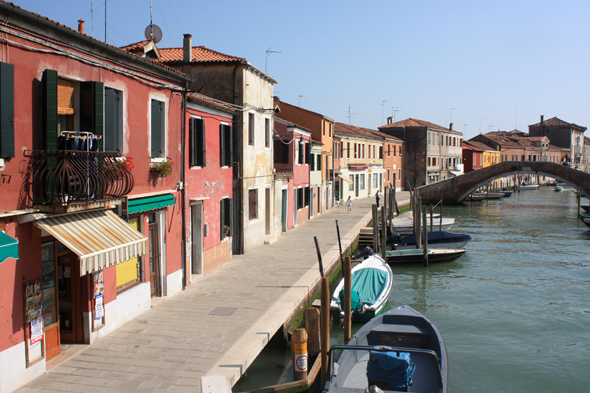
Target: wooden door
(154,256)
(267,210)
(70,298)
(50,300)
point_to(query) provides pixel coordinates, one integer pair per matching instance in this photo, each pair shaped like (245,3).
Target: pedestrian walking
(349,204)
(377,197)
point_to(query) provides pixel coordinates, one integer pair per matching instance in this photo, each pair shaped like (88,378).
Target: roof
(200,55)
(42,20)
(514,132)
(411,122)
(555,122)
(289,123)
(210,102)
(475,145)
(347,129)
(278,103)
(513,142)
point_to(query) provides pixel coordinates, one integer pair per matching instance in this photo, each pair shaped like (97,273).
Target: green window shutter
(92,107)
(222,153)
(307,152)
(226,145)
(230,147)
(319,157)
(111,120)
(156,130)
(191,143)
(49,110)
(200,145)
(6,110)
(222,220)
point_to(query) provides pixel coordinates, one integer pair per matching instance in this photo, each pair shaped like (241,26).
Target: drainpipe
(185,266)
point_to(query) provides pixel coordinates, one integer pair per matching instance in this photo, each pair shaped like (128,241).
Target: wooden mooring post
(347,299)
(325,326)
(312,326)
(299,347)
(375,229)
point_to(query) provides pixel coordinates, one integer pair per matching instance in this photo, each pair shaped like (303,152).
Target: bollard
(299,344)
(347,306)
(312,327)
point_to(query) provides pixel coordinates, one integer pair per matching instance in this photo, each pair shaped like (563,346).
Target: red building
(91,159)
(473,155)
(292,159)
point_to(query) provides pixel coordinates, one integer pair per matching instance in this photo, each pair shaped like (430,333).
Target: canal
(513,310)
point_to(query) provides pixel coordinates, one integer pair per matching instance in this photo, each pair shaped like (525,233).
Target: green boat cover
(368,284)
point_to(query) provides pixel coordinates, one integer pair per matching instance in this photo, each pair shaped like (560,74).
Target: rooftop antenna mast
(268,52)
(300,96)
(153,32)
(350,115)
(105,21)
(92,17)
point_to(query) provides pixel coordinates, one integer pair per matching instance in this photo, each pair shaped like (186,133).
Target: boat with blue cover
(372,281)
(436,239)
(400,350)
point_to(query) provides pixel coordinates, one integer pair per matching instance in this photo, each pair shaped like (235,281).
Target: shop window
(197,146)
(6,110)
(225,223)
(129,272)
(253,204)
(157,148)
(226,144)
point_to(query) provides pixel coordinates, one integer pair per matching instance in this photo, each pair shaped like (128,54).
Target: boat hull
(417,256)
(437,240)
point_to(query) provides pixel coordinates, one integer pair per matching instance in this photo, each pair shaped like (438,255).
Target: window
(362,181)
(197,153)
(157,148)
(429,161)
(251,129)
(330,132)
(6,110)
(324,128)
(347,149)
(375,181)
(300,199)
(399,175)
(113,120)
(281,151)
(389,150)
(319,162)
(252,204)
(300,152)
(380,155)
(363,150)
(267,132)
(312,162)
(341,150)
(388,179)
(225,222)
(307,196)
(351,184)
(307,152)
(355,150)
(381,152)
(225,144)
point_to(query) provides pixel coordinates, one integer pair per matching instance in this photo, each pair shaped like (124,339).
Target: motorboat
(507,194)
(475,197)
(436,240)
(417,255)
(372,281)
(404,224)
(400,350)
(525,186)
(489,195)
(558,188)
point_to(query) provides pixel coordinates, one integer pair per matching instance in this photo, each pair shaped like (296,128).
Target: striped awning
(8,247)
(100,238)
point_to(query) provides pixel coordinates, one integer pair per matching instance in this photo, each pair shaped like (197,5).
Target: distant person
(349,204)
(377,197)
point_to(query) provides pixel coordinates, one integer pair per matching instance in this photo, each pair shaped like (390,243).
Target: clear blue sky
(502,64)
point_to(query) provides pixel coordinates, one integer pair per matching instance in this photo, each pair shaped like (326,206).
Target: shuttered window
(6,110)
(312,161)
(319,156)
(157,140)
(197,152)
(300,153)
(226,144)
(251,129)
(112,120)
(252,204)
(307,152)
(91,107)
(49,110)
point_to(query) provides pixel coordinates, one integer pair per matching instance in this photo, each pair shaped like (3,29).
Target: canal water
(513,310)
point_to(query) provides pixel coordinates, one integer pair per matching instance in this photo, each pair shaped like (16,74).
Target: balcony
(65,181)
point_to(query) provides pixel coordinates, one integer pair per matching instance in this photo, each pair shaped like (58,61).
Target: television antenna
(300,96)
(350,115)
(268,52)
(153,32)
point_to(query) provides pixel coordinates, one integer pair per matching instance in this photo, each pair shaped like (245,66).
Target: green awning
(152,203)
(8,247)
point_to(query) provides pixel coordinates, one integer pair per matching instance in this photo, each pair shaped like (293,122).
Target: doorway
(356,186)
(284,211)
(197,237)
(154,256)
(70,298)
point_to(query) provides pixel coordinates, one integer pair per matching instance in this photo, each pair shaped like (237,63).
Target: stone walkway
(218,325)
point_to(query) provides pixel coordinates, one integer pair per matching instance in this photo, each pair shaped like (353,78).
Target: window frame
(252,201)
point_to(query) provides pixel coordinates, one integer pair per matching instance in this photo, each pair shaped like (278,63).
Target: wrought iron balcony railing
(65,177)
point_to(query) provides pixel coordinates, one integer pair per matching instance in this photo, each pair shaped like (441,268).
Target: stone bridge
(456,189)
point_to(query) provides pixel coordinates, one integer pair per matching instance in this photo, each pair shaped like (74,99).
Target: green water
(513,310)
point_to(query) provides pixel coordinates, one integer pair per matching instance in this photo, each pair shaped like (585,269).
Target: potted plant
(226,231)
(163,168)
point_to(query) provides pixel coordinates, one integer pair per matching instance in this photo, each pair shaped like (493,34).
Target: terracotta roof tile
(137,45)
(207,101)
(477,145)
(555,122)
(411,122)
(341,128)
(200,55)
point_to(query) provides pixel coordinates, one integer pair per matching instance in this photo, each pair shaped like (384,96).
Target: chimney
(81,26)
(451,126)
(389,119)
(187,48)
(542,130)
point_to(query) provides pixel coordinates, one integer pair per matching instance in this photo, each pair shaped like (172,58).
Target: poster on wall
(98,310)
(33,306)
(36,330)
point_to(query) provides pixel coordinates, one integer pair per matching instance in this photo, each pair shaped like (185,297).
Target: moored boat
(436,240)
(507,194)
(525,186)
(400,350)
(586,221)
(489,195)
(558,188)
(405,225)
(372,281)
(417,255)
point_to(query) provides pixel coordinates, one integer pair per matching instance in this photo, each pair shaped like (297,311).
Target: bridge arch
(456,189)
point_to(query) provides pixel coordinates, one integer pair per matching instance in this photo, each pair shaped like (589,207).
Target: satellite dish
(153,32)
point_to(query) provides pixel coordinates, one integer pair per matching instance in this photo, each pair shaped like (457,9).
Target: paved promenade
(218,325)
